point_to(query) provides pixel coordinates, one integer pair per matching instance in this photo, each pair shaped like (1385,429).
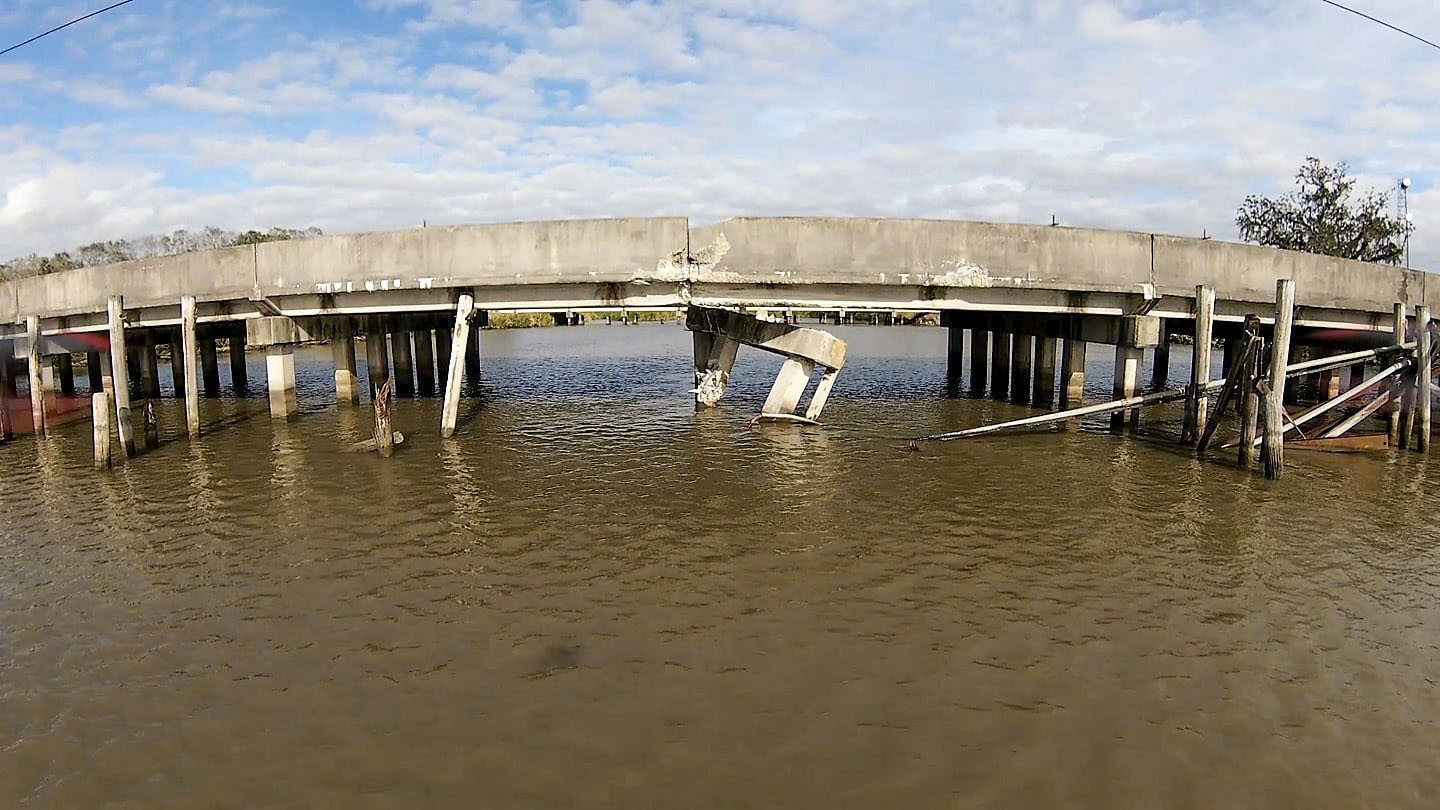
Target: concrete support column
(424,364)
(999,364)
(37,387)
(94,372)
(121,372)
(714,358)
(1127,384)
(209,367)
(342,350)
(472,357)
(1045,351)
(1072,369)
(1021,362)
(979,359)
(404,364)
(239,374)
(1296,354)
(789,386)
(377,355)
(150,369)
(1160,369)
(65,370)
(9,393)
(443,336)
(185,379)
(177,364)
(1234,346)
(1329,382)
(954,353)
(459,340)
(1357,376)
(280,377)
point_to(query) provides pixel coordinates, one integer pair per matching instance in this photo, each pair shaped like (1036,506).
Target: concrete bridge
(1015,294)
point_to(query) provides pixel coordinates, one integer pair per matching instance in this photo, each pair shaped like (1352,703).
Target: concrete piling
(149,369)
(209,367)
(1045,351)
(1128,358)
(979,357)
(459,341)
(188,370)
(65,371)
(404,374)
(789,386)
(954,353)
(280,379)
(377,354)
(9,392)
(424,363)
(1072,380)
(472,357)
(342,350)
(177,361)
(443,336)
(1022,355)
(1160,370)
(93,371)
(999,364)
(714,359)
(100,428)
(37,386)
(1272,451)
(239,373)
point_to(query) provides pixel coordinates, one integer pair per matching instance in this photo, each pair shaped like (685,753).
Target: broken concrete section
(718,334)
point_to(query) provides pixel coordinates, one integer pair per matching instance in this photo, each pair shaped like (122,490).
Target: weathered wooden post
(1021,359)
(1424,383)
(424,364)
(342,350)
(999,364)
(187,372)
(1197,405)
(979,357)
(100,419)
(152,424)
(1249,405)
(1397,394)
(404,375)
(37,386)
(384,435)
(1273,450)
(210,367)
(1044,384)
(459,341)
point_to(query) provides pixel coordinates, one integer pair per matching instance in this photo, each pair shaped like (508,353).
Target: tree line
(145,247)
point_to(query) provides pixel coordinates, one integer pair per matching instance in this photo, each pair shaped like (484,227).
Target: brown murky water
(595,597)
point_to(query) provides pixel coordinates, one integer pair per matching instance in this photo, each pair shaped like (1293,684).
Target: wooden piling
(1044,383)
(1272,452)
(151,422)
(188,370)
(404,373)
(1000,364)
(459,341)
(342,351)
(424,363)
(209,367)
(979,358)
(1249,404)
(100,428)
(1397,395)
(120,375)
(239,372)
(37,386)
(1423,379)
(1197,405)
(1127,383)
(1022,357)
(384,434)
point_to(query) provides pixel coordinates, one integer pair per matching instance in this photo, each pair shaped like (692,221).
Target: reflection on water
(594,596)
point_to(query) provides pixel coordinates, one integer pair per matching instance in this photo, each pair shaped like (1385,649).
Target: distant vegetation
(145,247)
(1322,216)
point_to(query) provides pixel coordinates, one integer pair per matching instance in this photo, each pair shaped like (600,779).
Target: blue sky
(1152,116)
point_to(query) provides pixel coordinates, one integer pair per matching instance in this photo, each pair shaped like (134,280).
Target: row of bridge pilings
(1040,360)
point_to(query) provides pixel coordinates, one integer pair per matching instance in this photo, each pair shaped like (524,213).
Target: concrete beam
(801,343)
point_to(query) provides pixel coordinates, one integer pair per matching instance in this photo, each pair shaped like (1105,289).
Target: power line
(1379,21)
(66,25)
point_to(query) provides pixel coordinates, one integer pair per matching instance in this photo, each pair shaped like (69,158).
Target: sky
(377,114)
